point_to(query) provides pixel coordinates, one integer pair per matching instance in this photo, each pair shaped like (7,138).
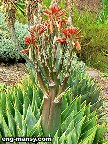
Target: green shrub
(95,41)
(8,51)
(94,47)
(103,14)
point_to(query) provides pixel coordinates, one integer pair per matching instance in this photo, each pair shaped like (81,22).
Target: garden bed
(12,74)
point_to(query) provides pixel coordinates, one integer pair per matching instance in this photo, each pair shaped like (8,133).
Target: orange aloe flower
(61,13)
(52,10)
(24,51)
(66,32)
(41,29)
(77,45)
(32,31)
(60,23)
(61,40)
(27,40)
(70,31)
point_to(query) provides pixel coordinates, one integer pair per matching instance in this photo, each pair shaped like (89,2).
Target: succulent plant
(50,47)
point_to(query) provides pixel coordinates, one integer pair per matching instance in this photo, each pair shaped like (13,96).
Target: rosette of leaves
(21,109)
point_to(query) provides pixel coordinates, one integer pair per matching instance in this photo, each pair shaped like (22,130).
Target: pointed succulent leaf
(11,123)
(56,138)
(30,119)
(79,115)
(90,123)
(25,104)
(20,95)
(9,106)
(30,93)
(2,103)
(101,129)
(36,130)
(89,133)
(66,123)
(6,129)
(68,110)
(18,118)
(78,128)
(18,105)
(89,138)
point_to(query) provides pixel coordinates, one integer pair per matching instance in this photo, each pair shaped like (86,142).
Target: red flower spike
(61,13)
(54,9)
(77,45)
(70,31)
(60,22)
(73,31)
(41,29)
(61,40)
(24,51)
(27,40)
(32,40)
(66,32)
(32,31)
(48,12)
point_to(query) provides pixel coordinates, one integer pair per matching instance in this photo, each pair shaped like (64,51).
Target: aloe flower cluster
(50,47)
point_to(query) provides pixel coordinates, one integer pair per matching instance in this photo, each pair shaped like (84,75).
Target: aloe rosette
(21,108)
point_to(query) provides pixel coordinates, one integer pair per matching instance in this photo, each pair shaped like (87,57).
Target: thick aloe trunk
(51,113)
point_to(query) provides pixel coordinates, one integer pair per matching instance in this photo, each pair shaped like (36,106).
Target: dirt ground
(12,74)
(92,5)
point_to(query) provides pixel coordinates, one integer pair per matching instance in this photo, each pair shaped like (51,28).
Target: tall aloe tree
(52,43)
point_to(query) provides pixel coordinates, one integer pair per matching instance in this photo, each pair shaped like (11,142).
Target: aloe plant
(50,47)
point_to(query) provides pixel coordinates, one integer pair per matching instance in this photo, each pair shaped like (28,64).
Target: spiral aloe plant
(21,107)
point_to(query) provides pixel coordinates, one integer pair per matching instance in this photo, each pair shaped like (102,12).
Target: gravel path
(12,74)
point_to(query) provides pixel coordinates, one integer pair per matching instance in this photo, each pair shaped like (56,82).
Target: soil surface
(101,80)
(12,74)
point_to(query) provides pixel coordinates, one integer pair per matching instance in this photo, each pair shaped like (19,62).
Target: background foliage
(8,51)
